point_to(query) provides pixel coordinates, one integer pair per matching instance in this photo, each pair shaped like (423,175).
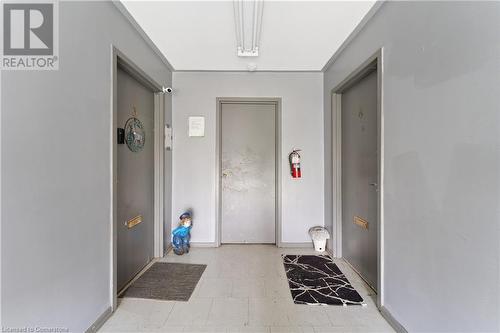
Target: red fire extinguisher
(294,158)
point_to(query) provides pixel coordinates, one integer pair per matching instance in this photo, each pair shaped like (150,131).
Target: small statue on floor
(181,236)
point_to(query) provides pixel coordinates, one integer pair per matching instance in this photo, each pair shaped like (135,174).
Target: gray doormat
(166,281)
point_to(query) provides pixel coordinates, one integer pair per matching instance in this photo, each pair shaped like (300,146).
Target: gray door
(248,173)
(359,177)
(135,192)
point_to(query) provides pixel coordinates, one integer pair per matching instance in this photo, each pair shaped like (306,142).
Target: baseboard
(168,249)
(100,321)
(300,244)
(203,244)
(392,321)
(283,244)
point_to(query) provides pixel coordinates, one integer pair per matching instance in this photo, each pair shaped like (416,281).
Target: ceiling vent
(248,21)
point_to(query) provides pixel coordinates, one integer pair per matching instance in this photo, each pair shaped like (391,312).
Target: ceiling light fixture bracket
(248,53)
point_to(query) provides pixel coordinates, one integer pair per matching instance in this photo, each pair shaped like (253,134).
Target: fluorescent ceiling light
(248,22)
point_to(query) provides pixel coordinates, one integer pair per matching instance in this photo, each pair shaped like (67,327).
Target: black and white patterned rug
(317,280)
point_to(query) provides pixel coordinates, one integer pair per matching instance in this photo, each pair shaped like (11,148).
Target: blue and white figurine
(181,236)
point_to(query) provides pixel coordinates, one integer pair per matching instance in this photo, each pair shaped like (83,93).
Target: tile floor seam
(168,315)
(209,310)
(248,312)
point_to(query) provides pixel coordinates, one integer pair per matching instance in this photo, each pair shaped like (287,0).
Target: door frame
(375,62)
(276,101)
(120,60)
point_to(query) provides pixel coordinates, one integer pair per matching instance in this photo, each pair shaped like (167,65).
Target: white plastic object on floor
(319,236)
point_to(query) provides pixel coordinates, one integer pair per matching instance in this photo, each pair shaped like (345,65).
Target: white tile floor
(244,289)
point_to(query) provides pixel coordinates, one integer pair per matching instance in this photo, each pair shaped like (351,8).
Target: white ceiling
(200,35)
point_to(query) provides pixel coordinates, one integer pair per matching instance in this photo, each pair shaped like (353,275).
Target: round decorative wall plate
(135,136)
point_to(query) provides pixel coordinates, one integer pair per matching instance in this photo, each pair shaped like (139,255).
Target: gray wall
(56,172)
(442,148)
(194,158)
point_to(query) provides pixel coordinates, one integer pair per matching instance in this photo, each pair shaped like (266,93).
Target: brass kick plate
(360,222)
(134,221)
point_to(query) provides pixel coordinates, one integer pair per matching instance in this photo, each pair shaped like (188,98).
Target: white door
(248,145)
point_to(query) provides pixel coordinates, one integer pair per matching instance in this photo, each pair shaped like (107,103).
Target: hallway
(244,289)
(131,127)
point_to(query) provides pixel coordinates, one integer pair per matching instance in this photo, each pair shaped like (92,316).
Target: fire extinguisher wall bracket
(294,159)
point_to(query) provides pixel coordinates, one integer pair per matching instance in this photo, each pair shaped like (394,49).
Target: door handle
(374,184)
